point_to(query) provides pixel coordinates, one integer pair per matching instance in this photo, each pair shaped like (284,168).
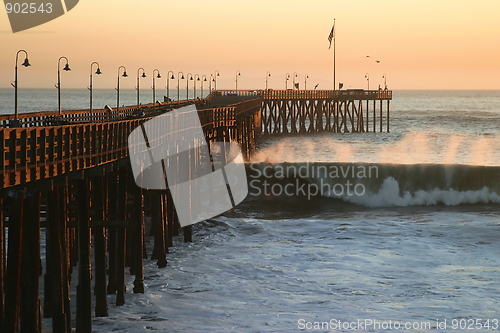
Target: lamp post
(187,84)
(237,74)
(305,82)
(178,83)
(367,77)
(58,85)
(268,74)
(98,72)
(138,82)
(294,76)
(212,79)
(196,78)
(385,81)
(287,77)
(26,63)
(168,83)
(216,73)
(118,86)
(158,76)
(204,79)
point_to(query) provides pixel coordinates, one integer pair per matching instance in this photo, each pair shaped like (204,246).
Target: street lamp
(367,77)
(168,83)
(305,82)
(294,76)
(58,85)
(154,86)
(210,83)
(98,72)
(287,77)
(203,80)
(178,83)
(118,86)
(138,82)
(216,73)
(237,74)
(385,81)
(268,74)
(187,84)
(26,63)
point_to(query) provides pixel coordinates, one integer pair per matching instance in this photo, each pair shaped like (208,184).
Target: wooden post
(388,116)
(170,220)
(62,198)
(84,289)
(157,224)
(374,117)
(101,305)
(30,266)
(367,117)
(51,259)
(13,276)
(112,194)
(120,238)
(137,218)
(381,120)
(56,230)
(2,263)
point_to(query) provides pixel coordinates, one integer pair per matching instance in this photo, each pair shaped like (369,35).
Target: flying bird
(377,61)
(316,86)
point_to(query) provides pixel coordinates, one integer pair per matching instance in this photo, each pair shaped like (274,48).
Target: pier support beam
(84,289)
(30,267)
(14,256)
(101,306)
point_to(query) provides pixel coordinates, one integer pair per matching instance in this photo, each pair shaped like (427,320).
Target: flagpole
(334,33)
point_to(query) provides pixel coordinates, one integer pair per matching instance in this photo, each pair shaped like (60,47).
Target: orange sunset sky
(438,44)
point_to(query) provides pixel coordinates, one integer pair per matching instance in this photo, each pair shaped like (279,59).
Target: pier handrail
(48,118)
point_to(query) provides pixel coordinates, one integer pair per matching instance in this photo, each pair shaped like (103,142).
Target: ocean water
(413,248)
(33,100)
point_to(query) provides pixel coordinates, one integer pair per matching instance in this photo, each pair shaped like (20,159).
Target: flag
(297,85)
(341,85)
(331,36)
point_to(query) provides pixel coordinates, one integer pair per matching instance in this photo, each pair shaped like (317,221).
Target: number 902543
(28,8)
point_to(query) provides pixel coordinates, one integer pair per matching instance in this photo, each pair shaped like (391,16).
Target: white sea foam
(389,195)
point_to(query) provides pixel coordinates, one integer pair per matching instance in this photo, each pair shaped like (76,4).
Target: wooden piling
(101,300)
(2,263)
(121,237)
(112,194)
(388,116)
(84,289)
(14,256)
(57,279)
(137,232)
(30,316)
(157,223)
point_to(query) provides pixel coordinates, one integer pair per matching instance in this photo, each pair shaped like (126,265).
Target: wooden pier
(70,176)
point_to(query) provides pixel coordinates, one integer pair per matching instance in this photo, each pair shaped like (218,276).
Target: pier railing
(51,118)
(327,94)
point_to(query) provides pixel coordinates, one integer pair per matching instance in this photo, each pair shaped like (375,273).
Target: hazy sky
(438,44)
